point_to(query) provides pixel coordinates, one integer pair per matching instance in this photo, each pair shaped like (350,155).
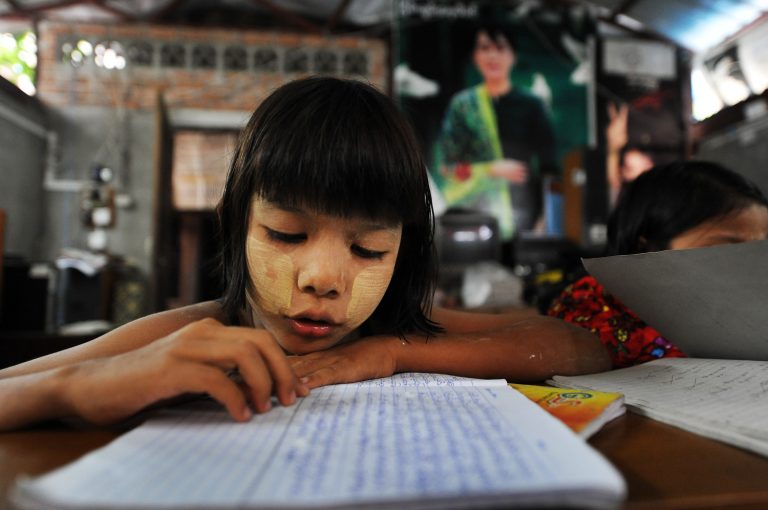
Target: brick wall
(213,69)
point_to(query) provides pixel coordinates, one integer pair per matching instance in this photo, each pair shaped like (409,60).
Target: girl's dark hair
(342,148)
(673,198)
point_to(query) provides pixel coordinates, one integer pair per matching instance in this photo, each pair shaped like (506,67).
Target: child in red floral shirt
(676,206)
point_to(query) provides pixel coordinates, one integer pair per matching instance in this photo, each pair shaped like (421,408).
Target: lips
(311,325)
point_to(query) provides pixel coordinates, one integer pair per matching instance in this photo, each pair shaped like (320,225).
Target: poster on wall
(498,93)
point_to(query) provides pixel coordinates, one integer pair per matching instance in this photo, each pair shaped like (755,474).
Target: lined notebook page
(405,440)
(725,399)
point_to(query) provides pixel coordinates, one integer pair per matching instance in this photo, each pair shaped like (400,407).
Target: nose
(322,274)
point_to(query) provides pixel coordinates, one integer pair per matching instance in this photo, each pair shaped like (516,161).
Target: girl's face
(315,278)
(748,224)
(636,162)
(493,57)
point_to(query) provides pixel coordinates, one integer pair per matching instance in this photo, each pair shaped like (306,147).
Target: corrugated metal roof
(693,24)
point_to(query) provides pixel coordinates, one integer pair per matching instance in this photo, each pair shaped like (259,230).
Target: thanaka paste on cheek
(271,274)
(367,290)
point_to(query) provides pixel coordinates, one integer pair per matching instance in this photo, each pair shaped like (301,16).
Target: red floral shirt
(629,340)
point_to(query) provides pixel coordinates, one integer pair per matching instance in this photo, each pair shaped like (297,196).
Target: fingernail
(291,397)
(267,405)
(247,414)
(304,380)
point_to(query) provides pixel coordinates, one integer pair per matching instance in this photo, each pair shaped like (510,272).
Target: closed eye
(366,253)
(285,237)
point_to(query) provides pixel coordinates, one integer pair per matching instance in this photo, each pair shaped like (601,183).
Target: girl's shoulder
(584,294)
(197,311)
(465,97)
(587,284)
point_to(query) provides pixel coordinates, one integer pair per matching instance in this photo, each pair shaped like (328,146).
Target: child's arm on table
(517,348)
(146,361)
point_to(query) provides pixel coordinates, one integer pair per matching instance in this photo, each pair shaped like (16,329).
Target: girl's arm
(149,360)
(126,338)
(513,347)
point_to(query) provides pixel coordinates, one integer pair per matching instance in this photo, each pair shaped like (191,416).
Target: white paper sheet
(722,399)
(413,440)
(710,302)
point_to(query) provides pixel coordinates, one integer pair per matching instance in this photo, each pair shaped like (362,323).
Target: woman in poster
(496,141)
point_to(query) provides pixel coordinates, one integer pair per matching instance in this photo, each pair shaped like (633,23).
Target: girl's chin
(299,345)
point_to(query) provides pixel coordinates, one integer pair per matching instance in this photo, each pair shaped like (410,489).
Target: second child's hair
(673,198)
(339,147)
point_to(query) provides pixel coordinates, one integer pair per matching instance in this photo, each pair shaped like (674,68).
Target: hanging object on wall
(97,207)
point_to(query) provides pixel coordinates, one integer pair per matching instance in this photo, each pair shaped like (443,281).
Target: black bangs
(339,155)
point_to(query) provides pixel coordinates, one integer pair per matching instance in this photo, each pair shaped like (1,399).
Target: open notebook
(726,400)
(409,441)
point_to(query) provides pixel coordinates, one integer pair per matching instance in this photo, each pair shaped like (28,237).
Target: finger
(215,348)
(259,359)
(212,381)
(313,369)
(624,112)
(323,376)
(255,374)
(287,384)
(302,364)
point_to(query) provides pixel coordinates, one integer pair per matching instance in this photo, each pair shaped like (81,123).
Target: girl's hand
(510,170)
(360,360)
(194,359)
(616,133)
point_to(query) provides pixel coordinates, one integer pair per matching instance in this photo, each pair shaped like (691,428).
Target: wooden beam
(37,9)
(166,9)
(289,16)
(623,8)
(337,15)
(122,15)
(645,33)
(21,11)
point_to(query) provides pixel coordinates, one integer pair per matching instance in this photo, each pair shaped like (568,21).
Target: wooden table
(665,467)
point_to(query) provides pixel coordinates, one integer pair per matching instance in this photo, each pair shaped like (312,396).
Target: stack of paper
(409,441)
(710,302)
(726,400)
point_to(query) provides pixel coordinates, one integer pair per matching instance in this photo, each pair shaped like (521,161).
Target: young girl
(682,205)
(328,264)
